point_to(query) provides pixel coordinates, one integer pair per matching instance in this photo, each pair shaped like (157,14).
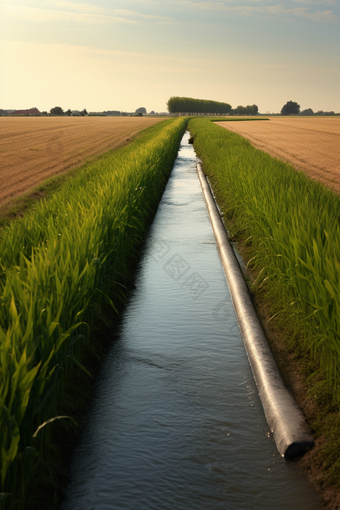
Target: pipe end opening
(298,449)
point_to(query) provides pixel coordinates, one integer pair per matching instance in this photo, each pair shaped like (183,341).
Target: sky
(122,55)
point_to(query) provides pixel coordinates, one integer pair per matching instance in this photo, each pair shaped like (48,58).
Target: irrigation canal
(176,422)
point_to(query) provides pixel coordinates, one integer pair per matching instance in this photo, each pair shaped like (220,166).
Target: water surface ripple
(176,422)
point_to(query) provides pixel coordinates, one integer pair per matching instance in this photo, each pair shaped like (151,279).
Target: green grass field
(71,256)
(60,264)
(289,228)
(293,226)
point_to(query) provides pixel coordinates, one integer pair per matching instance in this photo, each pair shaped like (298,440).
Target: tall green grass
(59,265)
(292,224)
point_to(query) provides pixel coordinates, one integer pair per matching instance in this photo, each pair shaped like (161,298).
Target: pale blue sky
(125,54)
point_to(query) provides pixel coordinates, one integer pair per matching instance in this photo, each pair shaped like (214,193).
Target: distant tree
(254,109)
(83,113)
(308,111)
(57,110)
(190,105)
(68,112)
(115,113)
(44,113)
(244,110)
(290,108)
(240,110)
(321,112)
(141,110)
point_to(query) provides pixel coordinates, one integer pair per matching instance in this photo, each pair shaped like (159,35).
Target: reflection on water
(176,422)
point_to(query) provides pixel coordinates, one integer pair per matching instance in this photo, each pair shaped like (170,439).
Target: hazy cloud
(311,2)
(302,12)
(58,10)
(91,8)
(44,15)
(76,7)
(136,14)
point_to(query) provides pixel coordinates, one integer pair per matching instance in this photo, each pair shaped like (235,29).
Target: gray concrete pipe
(285,419)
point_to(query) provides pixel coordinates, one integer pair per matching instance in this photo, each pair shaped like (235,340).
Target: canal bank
(259,195)
(176,421)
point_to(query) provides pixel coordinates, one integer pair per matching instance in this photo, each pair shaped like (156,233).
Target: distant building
(31,111)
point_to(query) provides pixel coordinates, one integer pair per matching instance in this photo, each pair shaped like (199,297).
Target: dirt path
(34,149)
(309,144)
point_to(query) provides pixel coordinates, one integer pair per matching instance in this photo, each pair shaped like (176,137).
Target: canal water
(176,422)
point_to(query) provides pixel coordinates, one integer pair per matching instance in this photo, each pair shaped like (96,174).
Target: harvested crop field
(34,149)
(309,144)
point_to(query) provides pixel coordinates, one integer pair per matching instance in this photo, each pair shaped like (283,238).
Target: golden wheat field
(309,144)
(34,149)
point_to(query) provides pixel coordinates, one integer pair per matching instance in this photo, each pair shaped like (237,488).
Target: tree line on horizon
(178,104)
(293,108)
